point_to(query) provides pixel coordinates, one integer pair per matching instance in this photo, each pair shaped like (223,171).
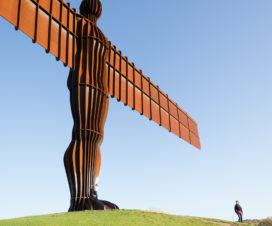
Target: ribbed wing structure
(53,25)
(50,23)
(130,86)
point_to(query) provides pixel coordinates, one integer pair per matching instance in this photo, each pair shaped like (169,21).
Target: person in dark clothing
(239,211)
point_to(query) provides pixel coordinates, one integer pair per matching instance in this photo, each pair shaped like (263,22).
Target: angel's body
(89,99)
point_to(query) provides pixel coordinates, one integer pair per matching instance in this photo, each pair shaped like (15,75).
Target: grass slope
(116,217)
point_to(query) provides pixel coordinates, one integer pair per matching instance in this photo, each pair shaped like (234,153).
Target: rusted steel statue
(89,103)
(98,70)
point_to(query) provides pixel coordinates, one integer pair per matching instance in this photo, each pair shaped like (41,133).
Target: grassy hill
(116,217)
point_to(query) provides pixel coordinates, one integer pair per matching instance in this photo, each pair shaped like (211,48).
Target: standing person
(239,211)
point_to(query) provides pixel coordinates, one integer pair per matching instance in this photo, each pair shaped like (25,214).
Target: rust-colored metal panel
(173,109)
(174,126)
(146,87)
(183,118)
(138,100)
(130,72)
(27,18)
(124,67)
(137,79)
(193,126)
(116,86)
(45,4)
(42,28)
(53,45)
(56,10)
(155,112)
(123,90)
(195,140)
(165,119)
(130,101)
(185,133)
(117,61)
(9,10)
(163,101)
(110,74)
(146,106)
(154,93)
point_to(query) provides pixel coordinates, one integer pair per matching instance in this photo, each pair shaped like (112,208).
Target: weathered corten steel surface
(98,70)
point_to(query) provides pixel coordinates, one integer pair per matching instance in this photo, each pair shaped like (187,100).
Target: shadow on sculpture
(89,98)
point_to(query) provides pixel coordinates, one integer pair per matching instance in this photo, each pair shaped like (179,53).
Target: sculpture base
(91,204)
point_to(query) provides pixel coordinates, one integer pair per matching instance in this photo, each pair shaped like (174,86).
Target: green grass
(116,217)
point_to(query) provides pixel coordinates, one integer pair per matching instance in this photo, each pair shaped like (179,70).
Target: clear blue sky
(212,57)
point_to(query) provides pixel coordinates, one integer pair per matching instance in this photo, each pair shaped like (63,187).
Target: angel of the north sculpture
(97,70)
